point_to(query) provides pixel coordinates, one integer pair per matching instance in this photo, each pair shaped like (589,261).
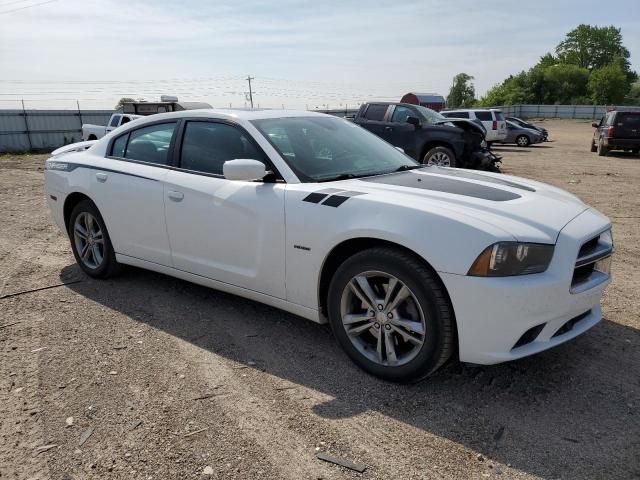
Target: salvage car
(522,137)
(617,130)
(94,132)
(492,119)
(427,136)
(531,126)
(410,264)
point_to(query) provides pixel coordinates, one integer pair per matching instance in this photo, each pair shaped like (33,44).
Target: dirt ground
(167,380)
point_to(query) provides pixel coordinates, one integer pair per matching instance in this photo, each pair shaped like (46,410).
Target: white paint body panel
(263,242)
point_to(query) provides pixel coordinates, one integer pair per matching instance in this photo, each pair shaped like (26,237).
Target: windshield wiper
(342,176)
(404,168)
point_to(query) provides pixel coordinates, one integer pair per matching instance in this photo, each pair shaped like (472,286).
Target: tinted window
(376,112)
(499,116)
(456,114)
(151,144)
(119,144)
(401,113)
(206,146)
(484,116)
(114,121)
(631,120)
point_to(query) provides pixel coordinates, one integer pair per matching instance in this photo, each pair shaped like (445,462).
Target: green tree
(462,92)
(608,85)
(122,101)
(593,47)
(564,83)
(633,97)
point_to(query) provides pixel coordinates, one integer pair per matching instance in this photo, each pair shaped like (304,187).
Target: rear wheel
(522,141)
(90,241)
(440,156)
(391,315)
(602,150)
(635,151)
(92,137)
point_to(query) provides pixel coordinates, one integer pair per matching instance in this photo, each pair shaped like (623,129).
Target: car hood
(524,209)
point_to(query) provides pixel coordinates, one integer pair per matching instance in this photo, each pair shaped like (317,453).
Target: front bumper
(493,314)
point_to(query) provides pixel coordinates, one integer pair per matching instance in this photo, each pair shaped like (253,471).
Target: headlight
(512,258)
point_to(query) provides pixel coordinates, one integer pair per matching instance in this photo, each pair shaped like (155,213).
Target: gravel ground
(149,377)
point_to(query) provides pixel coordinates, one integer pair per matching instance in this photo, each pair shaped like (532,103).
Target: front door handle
(388,129)
(101,177)
(175,195)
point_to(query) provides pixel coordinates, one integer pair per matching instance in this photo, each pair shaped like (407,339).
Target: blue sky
(301,53)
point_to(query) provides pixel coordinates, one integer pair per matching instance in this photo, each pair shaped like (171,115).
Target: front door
(229,231)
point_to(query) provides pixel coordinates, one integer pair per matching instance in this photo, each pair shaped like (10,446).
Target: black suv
(618,130)
(427,136)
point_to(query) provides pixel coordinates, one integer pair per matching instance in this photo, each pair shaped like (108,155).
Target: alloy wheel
(382,318)
(89,240)
(440,159)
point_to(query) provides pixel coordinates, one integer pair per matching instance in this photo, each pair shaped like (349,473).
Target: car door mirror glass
(244,170)
(415,121)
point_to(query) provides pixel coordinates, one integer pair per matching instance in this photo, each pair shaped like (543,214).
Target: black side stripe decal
(70,167)
(333,200)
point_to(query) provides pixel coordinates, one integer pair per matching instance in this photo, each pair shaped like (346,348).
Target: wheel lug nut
(389,315)
(380,307)
(377,325)
(387,326)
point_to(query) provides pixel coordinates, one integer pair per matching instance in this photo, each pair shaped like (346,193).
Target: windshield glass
(323,148)
(431,116)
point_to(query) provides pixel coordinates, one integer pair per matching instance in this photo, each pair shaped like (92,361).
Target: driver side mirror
(595,124)
(415,121)
(244,170)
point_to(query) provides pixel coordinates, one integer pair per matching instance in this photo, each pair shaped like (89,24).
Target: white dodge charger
(409,264)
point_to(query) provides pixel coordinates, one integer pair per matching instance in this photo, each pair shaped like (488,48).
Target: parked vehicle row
(492,120)
(410,264)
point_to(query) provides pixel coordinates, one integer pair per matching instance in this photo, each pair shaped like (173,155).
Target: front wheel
(90,241)
(593,146)
(391,315)
(440,156)
(523,141)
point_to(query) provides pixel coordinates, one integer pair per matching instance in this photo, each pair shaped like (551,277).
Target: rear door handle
(388,129)
(175,195)
(101,177)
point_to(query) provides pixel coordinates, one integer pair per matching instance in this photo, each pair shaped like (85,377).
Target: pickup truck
(427,136)
(94,132)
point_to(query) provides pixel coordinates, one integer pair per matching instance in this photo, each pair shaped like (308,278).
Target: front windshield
(320,149)
(431,116)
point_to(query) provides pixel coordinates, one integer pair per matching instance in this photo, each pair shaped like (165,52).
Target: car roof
(474,110)
(231,114)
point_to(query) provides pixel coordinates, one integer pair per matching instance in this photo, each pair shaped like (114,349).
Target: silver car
(522,137)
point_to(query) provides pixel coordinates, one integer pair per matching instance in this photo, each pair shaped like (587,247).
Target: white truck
(94,132)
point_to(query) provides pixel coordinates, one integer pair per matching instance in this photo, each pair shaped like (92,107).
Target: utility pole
(249,78)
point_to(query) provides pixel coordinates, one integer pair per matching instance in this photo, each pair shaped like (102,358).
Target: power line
(28,6)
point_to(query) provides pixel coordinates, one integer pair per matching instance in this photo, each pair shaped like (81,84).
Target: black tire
(108,266)
(635,151)
(522,141)
(440,152)
(439,339)
(593,146)
(602,150)
(92,137)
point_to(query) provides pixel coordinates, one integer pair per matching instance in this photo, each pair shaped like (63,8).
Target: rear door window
(499,116)
(376,112)
(114,121)
(484,116)
(151,144)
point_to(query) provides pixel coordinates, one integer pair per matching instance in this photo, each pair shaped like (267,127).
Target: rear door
(129,191)
(374,118)
(627,125)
